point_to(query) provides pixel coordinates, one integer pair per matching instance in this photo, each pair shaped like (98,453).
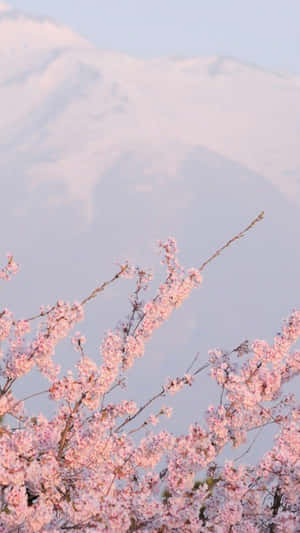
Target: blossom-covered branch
(87,469)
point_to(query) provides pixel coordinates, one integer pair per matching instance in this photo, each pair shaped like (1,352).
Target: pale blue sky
(265,32)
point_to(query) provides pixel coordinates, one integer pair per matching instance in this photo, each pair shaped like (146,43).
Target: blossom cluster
(9,269)
(97,465)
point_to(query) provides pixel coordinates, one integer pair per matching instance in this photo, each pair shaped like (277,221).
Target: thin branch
(222,395)
(235,238)
(192,363)
(155,397)
(96,291)
(63,436)
(212,257)
(250,445)
(32,396)
(203,367)
(92,295)
(142,408)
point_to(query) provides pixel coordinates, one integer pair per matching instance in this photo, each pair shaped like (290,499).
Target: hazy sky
(266,32)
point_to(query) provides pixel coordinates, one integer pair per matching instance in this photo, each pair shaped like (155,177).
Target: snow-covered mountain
(70,112)
(101,154)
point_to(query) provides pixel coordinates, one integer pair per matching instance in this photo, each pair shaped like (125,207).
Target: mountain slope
(82,109)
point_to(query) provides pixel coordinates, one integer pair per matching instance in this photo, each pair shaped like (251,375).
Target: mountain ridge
(123,103)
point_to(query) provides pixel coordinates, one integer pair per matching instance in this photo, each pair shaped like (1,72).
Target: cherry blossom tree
(97,465)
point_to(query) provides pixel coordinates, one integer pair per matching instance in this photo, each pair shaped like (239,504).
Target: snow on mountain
(71,111)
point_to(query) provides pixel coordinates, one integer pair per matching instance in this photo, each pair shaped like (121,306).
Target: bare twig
(32,396)
(192,363)
(251,444)
(96,291)
(235,238)
(88,298)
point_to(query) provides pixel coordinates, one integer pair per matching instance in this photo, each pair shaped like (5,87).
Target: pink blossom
(96,465)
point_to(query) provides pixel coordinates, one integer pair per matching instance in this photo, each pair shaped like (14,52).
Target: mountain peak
(82,110)
(34,32)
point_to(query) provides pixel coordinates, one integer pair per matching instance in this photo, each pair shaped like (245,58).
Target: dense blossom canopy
(96,466)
